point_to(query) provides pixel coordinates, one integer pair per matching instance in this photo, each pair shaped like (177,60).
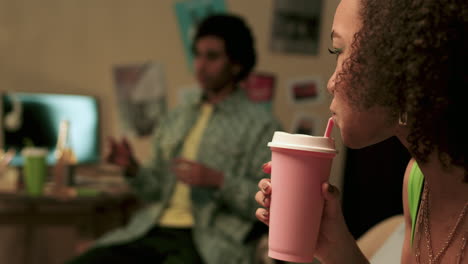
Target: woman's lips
(333,115)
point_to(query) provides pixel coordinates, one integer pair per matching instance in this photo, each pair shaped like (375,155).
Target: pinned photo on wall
(296,26)
(305,91)
(305,124)
(189,13)
(141,96)
(260,87)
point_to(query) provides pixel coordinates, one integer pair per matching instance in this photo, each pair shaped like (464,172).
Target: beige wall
(69,46)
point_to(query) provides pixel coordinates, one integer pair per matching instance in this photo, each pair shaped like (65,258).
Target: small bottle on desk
(65,158)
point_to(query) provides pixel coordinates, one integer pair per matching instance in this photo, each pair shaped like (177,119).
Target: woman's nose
(331,84)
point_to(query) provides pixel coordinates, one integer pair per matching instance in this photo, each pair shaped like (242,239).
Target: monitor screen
(34,119)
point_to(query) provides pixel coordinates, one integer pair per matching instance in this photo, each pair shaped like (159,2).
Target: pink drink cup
(300,164)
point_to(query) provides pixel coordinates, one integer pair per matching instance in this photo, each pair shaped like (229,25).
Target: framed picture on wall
(296,26)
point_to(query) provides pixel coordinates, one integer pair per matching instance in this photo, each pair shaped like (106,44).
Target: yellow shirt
(179,211)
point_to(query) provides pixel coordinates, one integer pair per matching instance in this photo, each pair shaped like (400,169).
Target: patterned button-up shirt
(234,142)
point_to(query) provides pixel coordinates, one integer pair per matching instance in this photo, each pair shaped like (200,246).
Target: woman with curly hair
(401,72)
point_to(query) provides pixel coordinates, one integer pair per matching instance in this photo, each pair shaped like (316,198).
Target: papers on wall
(260,87)
(306,124)
(141,96)
(308,90)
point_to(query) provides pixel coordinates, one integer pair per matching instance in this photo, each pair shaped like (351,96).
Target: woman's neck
(445,184)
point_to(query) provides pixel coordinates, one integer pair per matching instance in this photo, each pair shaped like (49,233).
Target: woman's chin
(353,142)
(361,143)
(354,145)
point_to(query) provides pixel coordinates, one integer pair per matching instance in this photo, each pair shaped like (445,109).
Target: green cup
(34,170)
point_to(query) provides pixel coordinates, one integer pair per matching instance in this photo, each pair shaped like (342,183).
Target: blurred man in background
(208,159)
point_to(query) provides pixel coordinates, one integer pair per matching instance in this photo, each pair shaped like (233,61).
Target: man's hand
(121,154)
(196,174)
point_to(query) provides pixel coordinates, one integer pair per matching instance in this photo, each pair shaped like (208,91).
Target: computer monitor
(40,116)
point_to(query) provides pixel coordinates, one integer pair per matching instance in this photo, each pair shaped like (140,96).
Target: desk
(45,230)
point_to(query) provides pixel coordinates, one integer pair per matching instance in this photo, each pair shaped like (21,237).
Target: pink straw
(329,129)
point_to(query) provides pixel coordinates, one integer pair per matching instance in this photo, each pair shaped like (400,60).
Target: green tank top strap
(415,185)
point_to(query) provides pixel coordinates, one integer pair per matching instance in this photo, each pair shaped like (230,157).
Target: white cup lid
(34,152)
(302,142)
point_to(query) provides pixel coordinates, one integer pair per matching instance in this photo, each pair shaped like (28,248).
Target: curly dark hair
(238,39)
(411,56)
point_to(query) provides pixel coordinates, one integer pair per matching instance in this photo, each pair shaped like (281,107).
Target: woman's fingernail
(264,165)
(265,187)
(331,189)
(265,214)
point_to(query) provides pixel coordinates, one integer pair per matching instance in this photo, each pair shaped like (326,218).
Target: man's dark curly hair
(411,56)
(238,39)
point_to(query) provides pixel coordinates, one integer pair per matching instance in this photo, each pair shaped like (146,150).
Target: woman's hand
(263,197)
(334,234)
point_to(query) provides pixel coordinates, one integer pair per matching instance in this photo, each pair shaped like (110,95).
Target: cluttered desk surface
(46,228)
(89,183)
(84,196)
(93,188)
